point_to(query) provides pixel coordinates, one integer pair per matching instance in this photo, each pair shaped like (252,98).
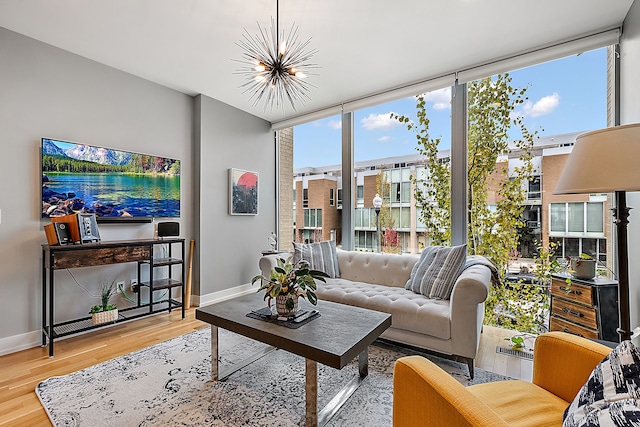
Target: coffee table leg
(214,353)
(341,397)
(363,363)
(311,391)
(216,373)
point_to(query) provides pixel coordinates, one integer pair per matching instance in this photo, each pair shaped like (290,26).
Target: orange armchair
(425,395)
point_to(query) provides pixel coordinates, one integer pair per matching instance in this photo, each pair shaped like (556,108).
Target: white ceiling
(365,46)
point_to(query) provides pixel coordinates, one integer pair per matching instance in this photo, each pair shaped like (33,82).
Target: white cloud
(379,121)
(544,106)
(384,138)
(335,124)
(441,98)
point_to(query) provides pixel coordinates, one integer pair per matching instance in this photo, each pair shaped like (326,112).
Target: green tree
(492,105)
(491,232)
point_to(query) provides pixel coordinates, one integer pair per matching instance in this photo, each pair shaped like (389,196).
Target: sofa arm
(472,286)
(424,394)
(467,309)
(563,362)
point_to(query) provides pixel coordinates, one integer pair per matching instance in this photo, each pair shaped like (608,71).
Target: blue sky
(566,95)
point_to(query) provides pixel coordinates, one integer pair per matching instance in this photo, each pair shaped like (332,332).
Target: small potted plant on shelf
(287,282)
(105,312)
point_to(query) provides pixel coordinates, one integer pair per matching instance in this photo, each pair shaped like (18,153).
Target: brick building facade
(577,223)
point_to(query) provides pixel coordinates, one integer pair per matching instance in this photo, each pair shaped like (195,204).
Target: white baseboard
(20,342)
(214,297)
(28,340)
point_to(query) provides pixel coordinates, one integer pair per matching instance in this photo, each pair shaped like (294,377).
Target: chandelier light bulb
(260,67)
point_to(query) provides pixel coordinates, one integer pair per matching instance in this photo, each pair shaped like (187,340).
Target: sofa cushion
(611,395)
(320,255)
(409,310)
(436,271)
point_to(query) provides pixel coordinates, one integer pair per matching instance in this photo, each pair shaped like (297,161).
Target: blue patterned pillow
(320,255)
(437,270)
(611,395)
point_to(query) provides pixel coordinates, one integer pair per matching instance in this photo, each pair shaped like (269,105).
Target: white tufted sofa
(376,281)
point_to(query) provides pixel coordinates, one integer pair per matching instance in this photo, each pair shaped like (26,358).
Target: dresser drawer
(557,324)
(575,292)
(585,316)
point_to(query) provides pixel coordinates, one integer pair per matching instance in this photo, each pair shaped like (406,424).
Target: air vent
(517,353)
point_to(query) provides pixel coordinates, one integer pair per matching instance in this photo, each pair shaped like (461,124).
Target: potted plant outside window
(583,267)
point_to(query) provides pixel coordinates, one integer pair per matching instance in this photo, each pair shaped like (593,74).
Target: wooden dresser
(588,308)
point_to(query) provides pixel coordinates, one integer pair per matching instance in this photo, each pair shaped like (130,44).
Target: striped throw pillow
(437,270)
(320,256)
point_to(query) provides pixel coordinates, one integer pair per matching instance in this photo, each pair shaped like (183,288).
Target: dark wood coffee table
(334,339)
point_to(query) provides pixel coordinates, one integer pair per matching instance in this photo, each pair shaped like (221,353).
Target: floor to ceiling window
(519,128)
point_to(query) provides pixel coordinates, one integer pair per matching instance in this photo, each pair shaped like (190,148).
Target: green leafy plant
(290,279)
(516,341)
(107,291)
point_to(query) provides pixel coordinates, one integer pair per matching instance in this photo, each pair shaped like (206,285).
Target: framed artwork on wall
(243,192)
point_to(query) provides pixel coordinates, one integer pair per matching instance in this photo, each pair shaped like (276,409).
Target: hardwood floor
(20,372)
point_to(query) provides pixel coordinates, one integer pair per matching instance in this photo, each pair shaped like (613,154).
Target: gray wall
(630,113)
(48,92)
(229,246)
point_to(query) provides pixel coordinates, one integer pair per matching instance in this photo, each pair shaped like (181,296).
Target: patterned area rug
(170,384)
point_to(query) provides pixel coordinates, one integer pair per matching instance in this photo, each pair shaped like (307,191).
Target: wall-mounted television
(114,185)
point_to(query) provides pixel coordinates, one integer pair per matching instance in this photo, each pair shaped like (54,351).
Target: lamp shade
(603,161)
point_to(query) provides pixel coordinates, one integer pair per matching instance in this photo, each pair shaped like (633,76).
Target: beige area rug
(169,384)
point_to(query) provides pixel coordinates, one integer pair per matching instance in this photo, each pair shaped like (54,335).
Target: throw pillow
(437,270)
(320,256)
(611,395)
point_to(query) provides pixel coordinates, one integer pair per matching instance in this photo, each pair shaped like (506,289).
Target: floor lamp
(605,161)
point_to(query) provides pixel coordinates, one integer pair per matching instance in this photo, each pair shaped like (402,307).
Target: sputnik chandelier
(276,66)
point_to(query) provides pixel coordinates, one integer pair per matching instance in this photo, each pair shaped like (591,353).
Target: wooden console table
(105,253)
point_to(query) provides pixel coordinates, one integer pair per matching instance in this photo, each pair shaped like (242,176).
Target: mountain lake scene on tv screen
(110,183)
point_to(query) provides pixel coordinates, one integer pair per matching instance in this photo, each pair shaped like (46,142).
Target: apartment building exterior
(576,223)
